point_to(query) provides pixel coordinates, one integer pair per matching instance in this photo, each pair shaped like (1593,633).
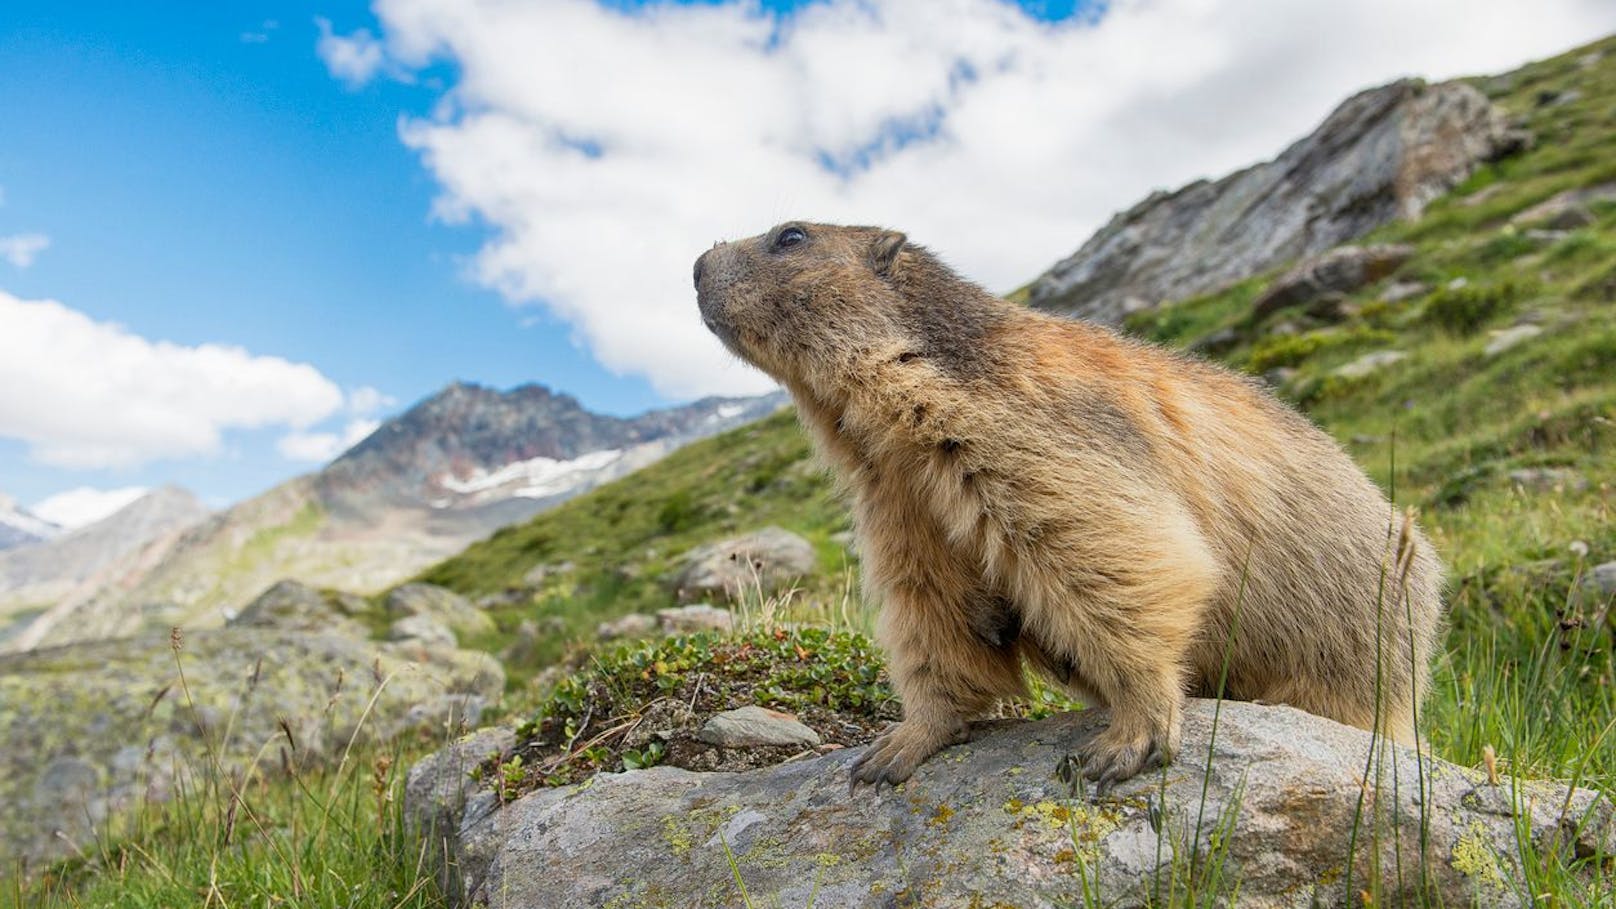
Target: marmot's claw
(1106,761)
(893,757)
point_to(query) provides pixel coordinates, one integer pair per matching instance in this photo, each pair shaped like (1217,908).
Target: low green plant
(1463,310)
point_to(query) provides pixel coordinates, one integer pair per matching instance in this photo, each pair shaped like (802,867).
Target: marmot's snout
(714,274)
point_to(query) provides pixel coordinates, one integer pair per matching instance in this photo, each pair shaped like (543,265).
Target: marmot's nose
(697,273)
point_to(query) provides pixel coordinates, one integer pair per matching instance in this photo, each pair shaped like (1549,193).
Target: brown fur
(1032,489)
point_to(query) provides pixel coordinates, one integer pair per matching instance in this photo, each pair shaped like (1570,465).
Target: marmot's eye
(790,237)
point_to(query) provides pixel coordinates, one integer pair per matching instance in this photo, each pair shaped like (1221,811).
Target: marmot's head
(803,296)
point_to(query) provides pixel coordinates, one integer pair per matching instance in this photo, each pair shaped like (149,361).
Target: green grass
(1526,682)
(262,835)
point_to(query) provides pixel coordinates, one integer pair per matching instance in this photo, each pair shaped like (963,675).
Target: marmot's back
(1309,545)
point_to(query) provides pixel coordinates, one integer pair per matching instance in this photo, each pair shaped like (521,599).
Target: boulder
(990,823)
(633,625)
(90,730)
(1503,339)
(295,606)
(450,609)
(1601,580)
(691,619)
(766,559)
(1568,210)
(1546,479)
(1369,364)
(1323,281)
(1383,154)
(421,631)
(1398,291)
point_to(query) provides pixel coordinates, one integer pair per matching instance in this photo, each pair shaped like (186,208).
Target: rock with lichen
(1295,810)
(89,731)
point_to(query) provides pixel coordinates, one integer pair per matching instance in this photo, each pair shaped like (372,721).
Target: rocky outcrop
(1284,811)
(1383,154)
(1568,210)
(764,560)
(88,731)
(440,605)
(295,606)
(1340,271)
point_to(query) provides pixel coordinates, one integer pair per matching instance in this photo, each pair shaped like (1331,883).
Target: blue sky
(210,174)
(197,187)
(201,177)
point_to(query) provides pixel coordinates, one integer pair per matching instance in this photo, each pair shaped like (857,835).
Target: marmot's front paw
(1108,757)
(895,755)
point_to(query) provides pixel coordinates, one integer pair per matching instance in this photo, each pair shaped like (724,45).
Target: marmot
(1028,488)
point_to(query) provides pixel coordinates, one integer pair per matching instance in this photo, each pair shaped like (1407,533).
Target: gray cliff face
(1383,154)
(989,824)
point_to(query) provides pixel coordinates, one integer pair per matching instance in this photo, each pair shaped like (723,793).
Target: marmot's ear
(884,251)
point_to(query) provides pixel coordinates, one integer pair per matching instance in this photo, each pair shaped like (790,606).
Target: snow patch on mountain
(534,478)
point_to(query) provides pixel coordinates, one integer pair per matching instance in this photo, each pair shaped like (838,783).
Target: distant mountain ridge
(20,527)
(450,470)
(60,573)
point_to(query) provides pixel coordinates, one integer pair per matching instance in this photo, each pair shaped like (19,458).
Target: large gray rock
(1383,154)
(1340,271)
(444,606)
(765,559)
(988,823)
(90,730)
(294,606)
(1568,210)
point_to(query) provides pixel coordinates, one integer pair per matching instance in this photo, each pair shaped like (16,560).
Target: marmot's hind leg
(1126,626)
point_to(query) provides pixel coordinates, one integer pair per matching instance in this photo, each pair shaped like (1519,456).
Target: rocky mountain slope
(66,571)
(448,471)
(1384,154)
(19,527)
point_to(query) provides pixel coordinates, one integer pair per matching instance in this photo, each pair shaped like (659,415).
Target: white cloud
(606,149)
(83,393)
(22,249)
(366,400)
(320,447)
(85,505)
(355,58)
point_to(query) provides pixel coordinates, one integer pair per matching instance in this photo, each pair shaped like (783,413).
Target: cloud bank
(89,394)
(84,505)
(603,150)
